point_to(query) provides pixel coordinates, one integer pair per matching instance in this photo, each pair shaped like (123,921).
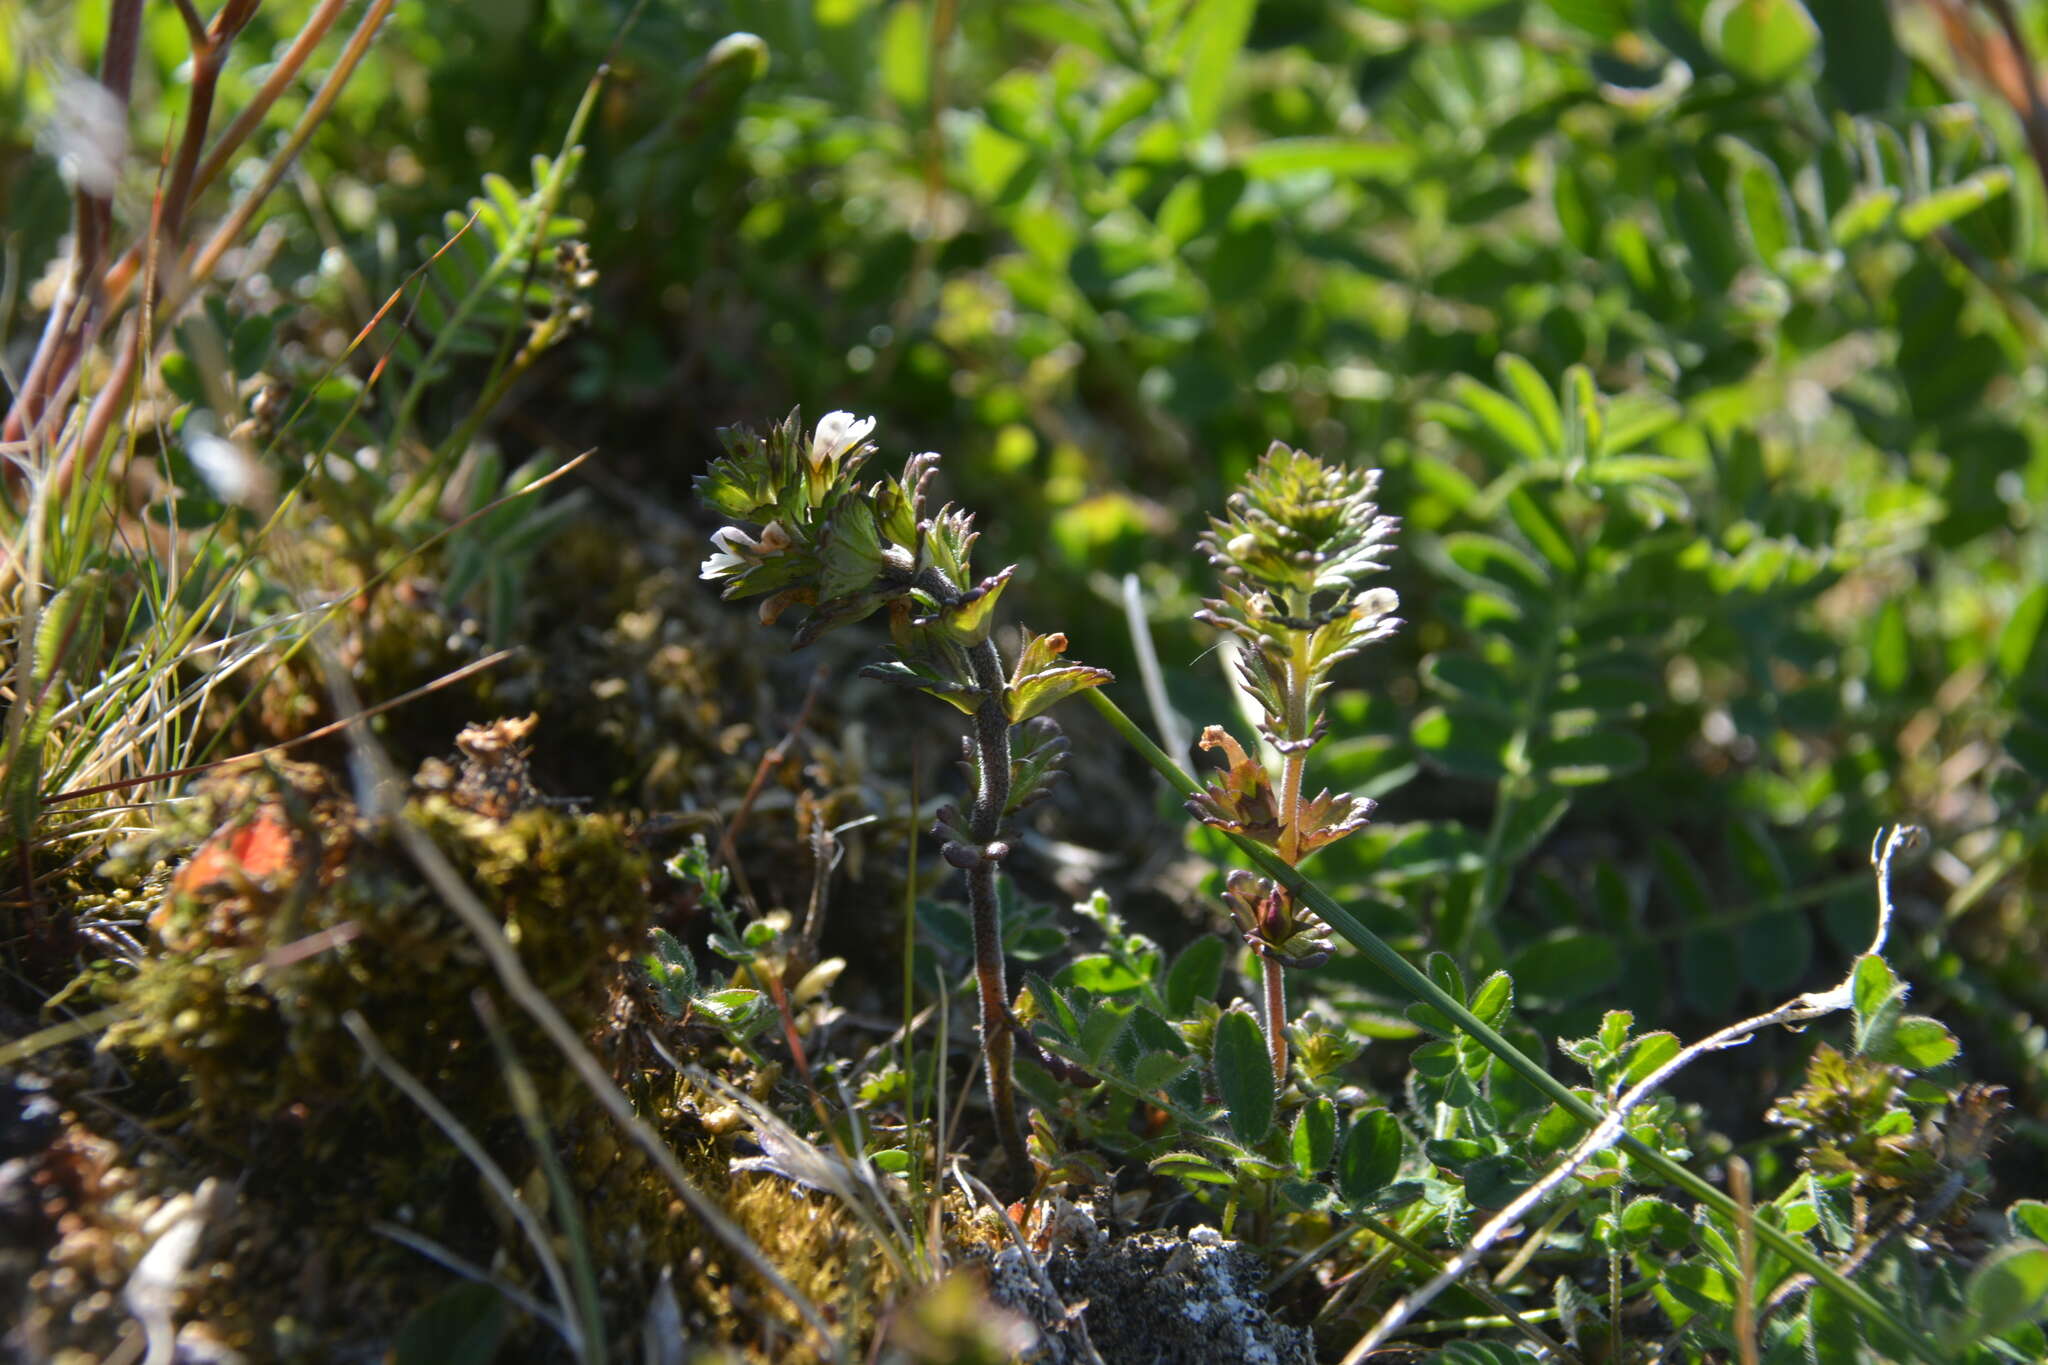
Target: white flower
(738,551)
(838,432)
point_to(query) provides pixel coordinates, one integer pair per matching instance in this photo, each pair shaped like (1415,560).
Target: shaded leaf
(1371,1156)
(463,1325)
(1244,1075)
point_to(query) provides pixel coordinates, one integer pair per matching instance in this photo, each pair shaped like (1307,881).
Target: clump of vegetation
(845,553)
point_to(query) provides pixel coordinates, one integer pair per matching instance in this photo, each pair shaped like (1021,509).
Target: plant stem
(991,738)
(1276,1018)
(991,798)
(1300,729)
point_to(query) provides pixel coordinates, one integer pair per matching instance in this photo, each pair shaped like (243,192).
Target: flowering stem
(992,745)
(984,825)
(1299,728)
(1276,1017)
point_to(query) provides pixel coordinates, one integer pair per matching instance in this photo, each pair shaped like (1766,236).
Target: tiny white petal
(733,540)
(838,432)
(721,566)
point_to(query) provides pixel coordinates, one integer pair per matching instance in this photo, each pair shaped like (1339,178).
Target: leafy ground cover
(1541,860)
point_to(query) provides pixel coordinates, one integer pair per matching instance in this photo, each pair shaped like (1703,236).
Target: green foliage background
(1702,343)
(1102,254)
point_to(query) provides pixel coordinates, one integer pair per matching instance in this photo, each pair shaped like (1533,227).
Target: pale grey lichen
(1155,1299)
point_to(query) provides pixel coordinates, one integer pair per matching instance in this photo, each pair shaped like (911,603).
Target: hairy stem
(991,798)
(1300,727)
(984,825)
(1276,1018)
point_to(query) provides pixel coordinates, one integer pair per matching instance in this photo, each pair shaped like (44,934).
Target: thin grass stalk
(492,1174)
(115,394)
(590,1345)
(543,201)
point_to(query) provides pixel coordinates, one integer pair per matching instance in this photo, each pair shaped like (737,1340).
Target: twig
(1745,1255)
(770,761)
(79,305)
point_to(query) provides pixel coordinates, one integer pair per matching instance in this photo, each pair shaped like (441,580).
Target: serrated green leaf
(1646,1054)
(1494,1182)
(1699,1286)
(1101,1027)
(1435,1061)
(1188,1166)
(1155,1070)
(2008,1289)
(1033,695)
(1650,1219)
(1100,973)
(1494,999)
(1919,1043)
(1430,1019)
(1442,969)
(1877,999)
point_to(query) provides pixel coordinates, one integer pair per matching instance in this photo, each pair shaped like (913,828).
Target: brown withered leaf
(1326,818)
(1239,798)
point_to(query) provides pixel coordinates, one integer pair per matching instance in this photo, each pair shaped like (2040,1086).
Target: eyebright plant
(844,551)
(1296,543)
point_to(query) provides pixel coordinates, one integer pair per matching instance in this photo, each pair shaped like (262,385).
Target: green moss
(256,969)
